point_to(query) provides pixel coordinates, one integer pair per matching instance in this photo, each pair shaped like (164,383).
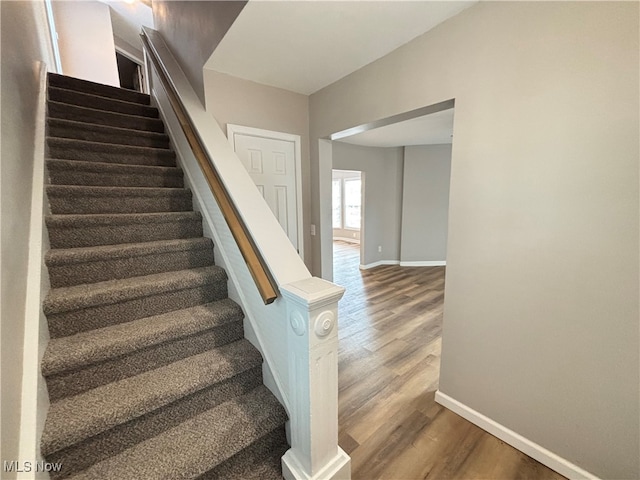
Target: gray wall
(425,203)
(234,100)
(24,45)
(192,30)
(382,197)
(541,310)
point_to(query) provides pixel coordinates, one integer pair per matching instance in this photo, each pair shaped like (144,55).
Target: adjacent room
(393,265)
(346,218)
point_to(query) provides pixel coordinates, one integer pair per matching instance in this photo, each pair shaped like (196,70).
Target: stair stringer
(227,255)
(35,397)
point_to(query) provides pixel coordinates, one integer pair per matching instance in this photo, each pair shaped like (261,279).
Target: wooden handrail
(256,264)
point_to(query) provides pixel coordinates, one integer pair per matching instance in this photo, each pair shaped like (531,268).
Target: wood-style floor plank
(389,365)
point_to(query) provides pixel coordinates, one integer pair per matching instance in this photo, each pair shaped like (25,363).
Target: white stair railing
(297,332)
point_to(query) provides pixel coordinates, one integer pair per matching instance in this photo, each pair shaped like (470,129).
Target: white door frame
(232,130)
(142,70)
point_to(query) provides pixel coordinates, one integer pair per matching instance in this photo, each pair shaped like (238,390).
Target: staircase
(148,372)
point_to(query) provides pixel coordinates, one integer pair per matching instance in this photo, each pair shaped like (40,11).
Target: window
(352,203)
(337,203)
(346,202)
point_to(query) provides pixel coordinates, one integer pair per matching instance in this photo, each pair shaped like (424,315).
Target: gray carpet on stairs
(73,266)
(73,149)
(70,231)
(74,172)
(73,97)
(80,199)
(148,371)
(61,128)
(102,117)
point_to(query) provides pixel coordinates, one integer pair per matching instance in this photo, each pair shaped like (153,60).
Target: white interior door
(271,163)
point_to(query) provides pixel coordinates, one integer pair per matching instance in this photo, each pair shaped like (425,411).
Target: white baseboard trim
(377,264)
(435,263)
(539,453)
(427,263)
(348,240)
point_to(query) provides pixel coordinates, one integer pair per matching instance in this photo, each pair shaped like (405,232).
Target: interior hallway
(389,361)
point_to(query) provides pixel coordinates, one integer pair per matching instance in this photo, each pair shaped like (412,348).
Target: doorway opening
(130,73)
(382,150)
(346,218)
(392,311)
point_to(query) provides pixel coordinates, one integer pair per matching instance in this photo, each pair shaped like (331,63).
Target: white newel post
(312,312)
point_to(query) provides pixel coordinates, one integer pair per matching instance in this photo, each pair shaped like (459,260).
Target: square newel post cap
(312,293)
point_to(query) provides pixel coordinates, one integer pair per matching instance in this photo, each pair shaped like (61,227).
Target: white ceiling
(432,129)
(304,46)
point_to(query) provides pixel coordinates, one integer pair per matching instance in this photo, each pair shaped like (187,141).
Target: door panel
(271,165)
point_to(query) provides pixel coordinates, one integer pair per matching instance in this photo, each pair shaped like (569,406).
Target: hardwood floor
(389,363)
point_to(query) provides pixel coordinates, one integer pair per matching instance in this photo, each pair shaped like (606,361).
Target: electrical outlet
(313,229)
(379,248)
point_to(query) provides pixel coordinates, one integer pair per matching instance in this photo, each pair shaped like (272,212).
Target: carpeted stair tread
(84,296)
(205,440)
(144,358)
(74,419)
(70,231)
(66,256)
(86,86)
(259,461)
(73,266)
(118,439)
(155,302)
(94,132)
(267,468)
(82,99)
(80,199)
(113,191)
(72,149)
(102,117)
(78,172)
(76,221)
(77,351)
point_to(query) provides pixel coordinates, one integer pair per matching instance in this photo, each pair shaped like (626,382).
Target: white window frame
(344,204)
(337,181)
(343,208)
